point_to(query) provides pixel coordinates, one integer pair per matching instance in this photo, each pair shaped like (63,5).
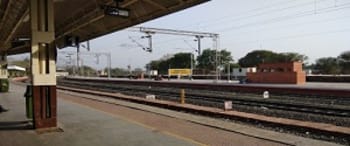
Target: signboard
(153,72)
(266,94)
(181,72)
(227,105)
(116,11)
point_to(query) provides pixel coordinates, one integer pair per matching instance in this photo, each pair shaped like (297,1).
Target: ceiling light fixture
(116,10)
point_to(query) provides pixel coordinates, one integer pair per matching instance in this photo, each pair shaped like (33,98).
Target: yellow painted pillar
(3,66)
(43,63)
(182,96)
(4,83)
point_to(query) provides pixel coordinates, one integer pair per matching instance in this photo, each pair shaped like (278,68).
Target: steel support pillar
(43,64)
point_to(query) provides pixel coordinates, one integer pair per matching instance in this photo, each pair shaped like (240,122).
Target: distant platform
(308,85)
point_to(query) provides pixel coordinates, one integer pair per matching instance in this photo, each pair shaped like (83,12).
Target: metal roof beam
(155,4)
(95,15)
(6,13)
(130,2)
(150,30)
(87,19)
(18,24)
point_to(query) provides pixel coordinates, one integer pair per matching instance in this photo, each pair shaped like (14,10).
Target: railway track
(302,128)
(310,92)
(314,110)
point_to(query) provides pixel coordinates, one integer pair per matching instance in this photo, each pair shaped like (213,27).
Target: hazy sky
(316,28)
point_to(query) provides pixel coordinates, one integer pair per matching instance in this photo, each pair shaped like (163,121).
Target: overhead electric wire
(252,10)
(279,19)
(235,19)
(296,25)
(188,44)
(300,35)
(282,18)
(303,14)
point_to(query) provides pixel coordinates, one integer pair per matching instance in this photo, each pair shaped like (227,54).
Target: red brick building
(288,73)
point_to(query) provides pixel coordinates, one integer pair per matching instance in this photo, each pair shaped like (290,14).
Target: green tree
(256,57)
(232,66)
(70,69)
(22,63)
(88,71)
(265,56)
(161,65)
(137,71)
(291,57)
(179,60)
(25,63)
(344,62)
(327,65)
(118,72)
(207,60)
(154,64)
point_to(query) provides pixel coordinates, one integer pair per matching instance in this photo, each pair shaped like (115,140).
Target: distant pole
(150,43)
(88,45)
(148,71)
(215,46)
(229,73)
(169,72)
(78,60)
(109,65)
(199,44)
(191,61)
(82,68)
(71,63)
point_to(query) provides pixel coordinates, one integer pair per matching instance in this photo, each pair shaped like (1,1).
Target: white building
(16,71)
(16,68)
(242,72)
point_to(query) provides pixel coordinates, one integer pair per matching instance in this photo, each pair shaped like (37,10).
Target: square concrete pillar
(43,64)
(4,84)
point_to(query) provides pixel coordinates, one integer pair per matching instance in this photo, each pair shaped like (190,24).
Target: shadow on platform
(15,125)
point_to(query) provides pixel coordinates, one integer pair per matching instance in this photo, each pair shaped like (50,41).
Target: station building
(285,73)
(242,72)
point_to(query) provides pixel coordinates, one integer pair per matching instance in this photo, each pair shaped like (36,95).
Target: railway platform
(78,125)
(83,121)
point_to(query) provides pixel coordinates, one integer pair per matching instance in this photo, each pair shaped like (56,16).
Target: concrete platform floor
(82,126)
(87,122)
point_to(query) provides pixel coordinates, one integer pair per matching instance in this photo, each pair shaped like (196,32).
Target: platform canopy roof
(82,18)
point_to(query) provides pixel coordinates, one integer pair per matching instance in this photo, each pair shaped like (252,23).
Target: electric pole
(198,35)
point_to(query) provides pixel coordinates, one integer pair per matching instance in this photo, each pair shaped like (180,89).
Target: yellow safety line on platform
(142,125)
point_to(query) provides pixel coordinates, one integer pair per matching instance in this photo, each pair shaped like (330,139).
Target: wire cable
(282,18)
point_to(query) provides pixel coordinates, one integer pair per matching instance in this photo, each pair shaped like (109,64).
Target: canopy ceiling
(82,18)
